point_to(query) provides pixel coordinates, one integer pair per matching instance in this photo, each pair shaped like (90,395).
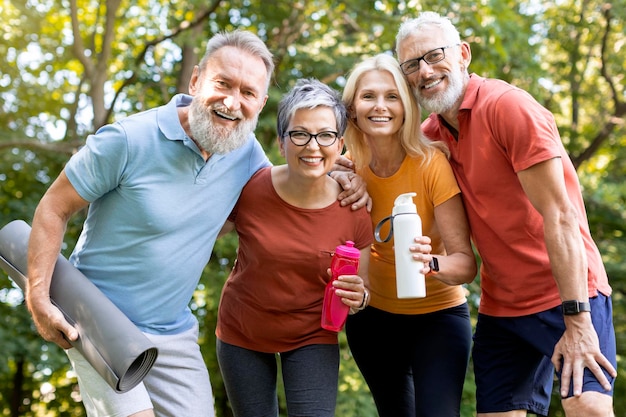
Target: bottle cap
(404,204)
(348,250)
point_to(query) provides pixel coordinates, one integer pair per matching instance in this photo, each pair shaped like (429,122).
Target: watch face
(574,307)
(570,307)
(434,264)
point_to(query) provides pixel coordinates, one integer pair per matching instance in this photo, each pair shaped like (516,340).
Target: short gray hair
(427,19)
(309,93)
(245,41)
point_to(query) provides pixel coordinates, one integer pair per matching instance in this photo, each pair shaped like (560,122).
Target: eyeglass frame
(312,136)
(423,58)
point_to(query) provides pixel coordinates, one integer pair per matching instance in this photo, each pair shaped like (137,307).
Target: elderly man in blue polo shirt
(159,186)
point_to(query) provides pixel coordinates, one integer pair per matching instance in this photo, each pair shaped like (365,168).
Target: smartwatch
(434,265)
(573,307)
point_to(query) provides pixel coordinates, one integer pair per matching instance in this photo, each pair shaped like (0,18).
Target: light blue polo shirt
(156,209)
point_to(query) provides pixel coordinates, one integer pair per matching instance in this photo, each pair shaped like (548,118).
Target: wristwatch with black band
(434,265)
(573,307)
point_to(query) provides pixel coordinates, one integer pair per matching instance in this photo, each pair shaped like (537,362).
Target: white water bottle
(407,225)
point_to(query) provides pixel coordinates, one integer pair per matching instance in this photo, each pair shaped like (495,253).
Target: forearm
(567,255)
(44,247)
(56,207)
(455,269)
(459,266)
(544,186)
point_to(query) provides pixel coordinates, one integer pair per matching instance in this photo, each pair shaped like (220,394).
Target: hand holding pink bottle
(345,262)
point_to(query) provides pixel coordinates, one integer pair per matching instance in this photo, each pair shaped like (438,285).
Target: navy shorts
(512,356)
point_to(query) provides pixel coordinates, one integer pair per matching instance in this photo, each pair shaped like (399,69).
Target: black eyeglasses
(430,57)
(302,138)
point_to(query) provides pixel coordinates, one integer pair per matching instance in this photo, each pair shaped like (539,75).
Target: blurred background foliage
(70,66)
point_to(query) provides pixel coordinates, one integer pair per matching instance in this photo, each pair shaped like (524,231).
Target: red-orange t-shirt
(272,300)
(503,130)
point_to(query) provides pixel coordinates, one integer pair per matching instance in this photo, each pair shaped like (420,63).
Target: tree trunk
(18,382)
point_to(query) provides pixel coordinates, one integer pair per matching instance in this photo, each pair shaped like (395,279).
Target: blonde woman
(413,353)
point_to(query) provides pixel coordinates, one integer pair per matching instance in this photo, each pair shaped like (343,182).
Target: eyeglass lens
(301,138)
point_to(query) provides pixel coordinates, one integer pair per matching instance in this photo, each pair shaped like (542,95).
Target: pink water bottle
(345,262)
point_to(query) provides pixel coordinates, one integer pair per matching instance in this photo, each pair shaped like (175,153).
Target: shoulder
(438,157)
(260,177)
(111,139)
(430,126)
(433,159)
(502,95)
(162,120)
(252,152)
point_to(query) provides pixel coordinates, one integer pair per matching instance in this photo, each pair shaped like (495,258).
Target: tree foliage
(71,66)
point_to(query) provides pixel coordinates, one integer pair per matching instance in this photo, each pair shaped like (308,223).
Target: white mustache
(225,111)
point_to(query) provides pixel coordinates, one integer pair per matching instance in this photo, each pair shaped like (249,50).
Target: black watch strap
(573,307)
(434,265)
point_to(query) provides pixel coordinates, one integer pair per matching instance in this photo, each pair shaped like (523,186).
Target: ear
(466,53)
(194,82)
(340,144)
(264,102)
(351,112)
(281,146)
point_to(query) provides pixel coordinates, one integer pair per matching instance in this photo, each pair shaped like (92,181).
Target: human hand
(352,291)
(354,190)
(50,322)
(578,349)
(421,252)
(343,164)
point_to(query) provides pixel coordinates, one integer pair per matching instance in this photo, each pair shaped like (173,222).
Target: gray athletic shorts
(177,385)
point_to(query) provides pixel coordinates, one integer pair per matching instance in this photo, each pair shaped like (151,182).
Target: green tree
(71,66)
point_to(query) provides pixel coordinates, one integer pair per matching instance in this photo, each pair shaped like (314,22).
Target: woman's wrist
(364,303)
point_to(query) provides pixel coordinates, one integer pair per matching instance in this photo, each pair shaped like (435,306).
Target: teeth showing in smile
(380,119)
(432,84)
(225,116)
(311,160)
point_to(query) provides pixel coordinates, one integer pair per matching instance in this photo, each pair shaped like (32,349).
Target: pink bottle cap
(348,250)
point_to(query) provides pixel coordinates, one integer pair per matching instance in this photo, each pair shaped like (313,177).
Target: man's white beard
(445,100)
(213,138)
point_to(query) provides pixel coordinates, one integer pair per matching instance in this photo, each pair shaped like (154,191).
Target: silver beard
(446,100)
(213,138)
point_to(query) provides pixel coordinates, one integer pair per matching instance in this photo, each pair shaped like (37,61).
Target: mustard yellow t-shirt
(434,184)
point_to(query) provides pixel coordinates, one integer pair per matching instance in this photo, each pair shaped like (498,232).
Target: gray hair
(309,94)
(428,19)
(245,41)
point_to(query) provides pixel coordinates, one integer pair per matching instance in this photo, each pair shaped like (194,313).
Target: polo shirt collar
(471,92)
(168,120)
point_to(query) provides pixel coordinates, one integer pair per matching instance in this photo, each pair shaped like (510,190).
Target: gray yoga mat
(111,343)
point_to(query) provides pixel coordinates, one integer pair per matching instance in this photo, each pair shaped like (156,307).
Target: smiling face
(311,160)
(437,87)
(228,96)
(377,105)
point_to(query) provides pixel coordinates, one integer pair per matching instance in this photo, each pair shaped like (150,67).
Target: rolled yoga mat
(109,341)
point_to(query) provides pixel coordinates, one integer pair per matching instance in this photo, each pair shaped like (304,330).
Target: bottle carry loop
(380,225)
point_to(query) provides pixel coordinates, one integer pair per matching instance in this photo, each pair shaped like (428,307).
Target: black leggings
(414,365)
(310,376)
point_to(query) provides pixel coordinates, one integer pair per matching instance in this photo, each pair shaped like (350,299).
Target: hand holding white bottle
(407,224)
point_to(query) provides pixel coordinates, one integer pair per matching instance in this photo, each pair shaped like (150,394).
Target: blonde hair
(411,137)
